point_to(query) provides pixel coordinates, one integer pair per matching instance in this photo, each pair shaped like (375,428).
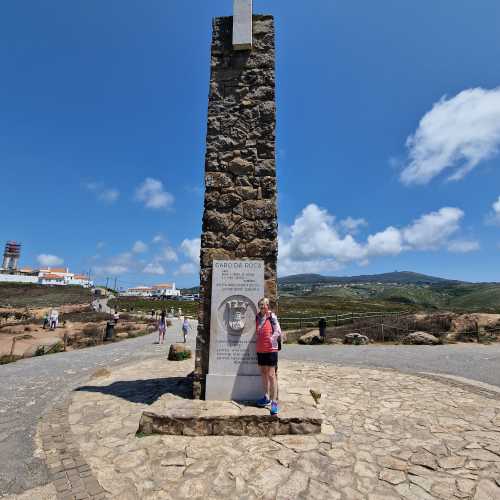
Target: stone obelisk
(239,220)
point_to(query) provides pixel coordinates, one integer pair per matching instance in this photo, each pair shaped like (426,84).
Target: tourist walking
(185,327)
(54,319)
(268,332)
(46,322)
(162,327)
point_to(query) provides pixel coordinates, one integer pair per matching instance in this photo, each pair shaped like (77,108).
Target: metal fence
(336,320)
(390,326)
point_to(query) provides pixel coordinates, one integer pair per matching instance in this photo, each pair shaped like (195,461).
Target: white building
(163,290)
(138,291)
(62,276)
(49,276)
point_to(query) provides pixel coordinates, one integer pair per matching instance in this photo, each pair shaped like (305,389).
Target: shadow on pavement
(145,391)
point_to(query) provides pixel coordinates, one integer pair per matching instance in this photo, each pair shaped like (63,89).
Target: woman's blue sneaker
(264,401)
(274,408)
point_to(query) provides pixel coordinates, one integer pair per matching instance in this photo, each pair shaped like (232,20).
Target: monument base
(231,387)
(176,416)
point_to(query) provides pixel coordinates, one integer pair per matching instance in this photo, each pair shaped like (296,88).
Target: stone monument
(239,220)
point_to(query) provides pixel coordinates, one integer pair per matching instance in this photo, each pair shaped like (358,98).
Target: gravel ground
(30,387)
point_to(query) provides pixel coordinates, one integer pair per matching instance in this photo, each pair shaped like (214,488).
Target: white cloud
(494,216)
(118,264)
(104,194)
(432,230)
(191,249)
(139,247)
(288,266)
(168,254)
(313,244)
(352,225)
(496,206)
(463,246)
(109,195)
(456,134)
(154,268)
(188,268)
(313,235)
(153,195)
(115,269)
(157,239)
(46,260)
(386,242)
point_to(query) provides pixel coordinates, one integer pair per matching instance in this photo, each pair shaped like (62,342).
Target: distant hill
(399,277)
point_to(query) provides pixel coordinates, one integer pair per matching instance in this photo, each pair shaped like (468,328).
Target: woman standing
(185,327)
(162,326)
(268,332)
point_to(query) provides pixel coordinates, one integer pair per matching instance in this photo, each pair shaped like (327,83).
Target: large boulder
(421,338)
(179,352)
(356,339)
(311,338)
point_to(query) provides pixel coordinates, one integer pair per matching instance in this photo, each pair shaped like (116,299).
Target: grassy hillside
(146,305)
(401,277)
(475,298)
(459,297)
(303,307)
(27,295)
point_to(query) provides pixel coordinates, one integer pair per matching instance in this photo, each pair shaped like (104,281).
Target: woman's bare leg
(265,380)
(273,384)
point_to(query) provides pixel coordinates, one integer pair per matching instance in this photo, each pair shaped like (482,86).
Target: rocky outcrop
(311,338)
(179,352)
(421,338)
(356,339)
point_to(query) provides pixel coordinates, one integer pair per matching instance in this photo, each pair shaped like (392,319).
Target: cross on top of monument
(242,24)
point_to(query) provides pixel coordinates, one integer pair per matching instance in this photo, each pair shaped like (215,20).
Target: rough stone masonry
(239,220)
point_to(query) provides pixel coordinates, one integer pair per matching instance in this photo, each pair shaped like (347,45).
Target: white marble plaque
(237,286)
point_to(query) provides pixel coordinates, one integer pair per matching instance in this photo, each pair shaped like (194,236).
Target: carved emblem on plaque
(236,314)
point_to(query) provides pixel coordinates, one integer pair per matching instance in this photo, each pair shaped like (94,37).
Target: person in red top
(268,333)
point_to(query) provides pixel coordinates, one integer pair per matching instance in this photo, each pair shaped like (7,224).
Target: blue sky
(388,135)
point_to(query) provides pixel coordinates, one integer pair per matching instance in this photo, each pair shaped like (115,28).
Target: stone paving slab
(386,435)
(172,416)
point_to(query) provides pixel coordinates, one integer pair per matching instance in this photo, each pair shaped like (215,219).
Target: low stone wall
(233,425)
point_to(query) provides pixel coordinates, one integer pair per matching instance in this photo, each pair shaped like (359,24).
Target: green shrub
(7,358)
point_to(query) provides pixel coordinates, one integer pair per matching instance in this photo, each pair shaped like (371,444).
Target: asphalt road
(30,387)
(473,361)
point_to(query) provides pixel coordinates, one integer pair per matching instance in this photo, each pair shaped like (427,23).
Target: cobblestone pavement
(29,389)
(387,435)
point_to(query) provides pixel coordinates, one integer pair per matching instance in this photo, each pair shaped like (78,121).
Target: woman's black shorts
(267,358)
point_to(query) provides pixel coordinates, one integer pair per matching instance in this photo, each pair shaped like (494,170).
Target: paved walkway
(30,387)
(386,436)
